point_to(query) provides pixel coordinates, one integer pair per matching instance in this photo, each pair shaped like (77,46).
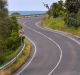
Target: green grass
(59,24)
(19,61)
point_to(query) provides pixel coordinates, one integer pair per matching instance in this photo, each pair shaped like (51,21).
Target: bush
(72,21)
(16,14)
(13,41)
(9,38)
(2,59)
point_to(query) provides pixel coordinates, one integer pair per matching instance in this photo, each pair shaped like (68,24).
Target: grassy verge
(58,24)
(19,61)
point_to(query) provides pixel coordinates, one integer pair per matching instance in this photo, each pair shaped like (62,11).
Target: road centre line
(54,43)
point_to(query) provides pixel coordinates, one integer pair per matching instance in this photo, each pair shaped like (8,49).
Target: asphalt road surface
(55,53)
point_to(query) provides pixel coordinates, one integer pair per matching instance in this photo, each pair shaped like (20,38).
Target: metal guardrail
(13,60)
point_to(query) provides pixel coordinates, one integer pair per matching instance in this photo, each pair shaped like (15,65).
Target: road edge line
(32,56)
(54,43)
(58,32)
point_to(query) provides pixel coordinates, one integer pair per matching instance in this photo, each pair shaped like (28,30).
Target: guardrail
(13,60)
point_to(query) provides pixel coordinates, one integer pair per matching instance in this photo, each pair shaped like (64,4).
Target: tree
(54,9)
(16,14)
(72,6)
(60,7)
(4,20)
(4,29)
(9,38)
(3,9)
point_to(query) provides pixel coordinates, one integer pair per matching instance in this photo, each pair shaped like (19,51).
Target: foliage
(72,6)
(9,37)
(56,9)
(16,14)
(70,10)
(13,41)
(19,62)
(3,9)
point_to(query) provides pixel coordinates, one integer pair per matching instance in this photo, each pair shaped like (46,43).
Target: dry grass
(19,61)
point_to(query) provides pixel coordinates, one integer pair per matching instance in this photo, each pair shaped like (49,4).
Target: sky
(28,5)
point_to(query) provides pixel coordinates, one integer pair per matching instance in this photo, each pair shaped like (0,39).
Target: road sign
(21,33)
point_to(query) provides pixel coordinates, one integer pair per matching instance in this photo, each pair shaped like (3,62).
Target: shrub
(72,21)
(13,41)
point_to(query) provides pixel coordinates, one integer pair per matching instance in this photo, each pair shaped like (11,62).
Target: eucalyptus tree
(72,8)
(54,9)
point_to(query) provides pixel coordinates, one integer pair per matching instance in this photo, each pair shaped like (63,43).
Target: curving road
(54,53)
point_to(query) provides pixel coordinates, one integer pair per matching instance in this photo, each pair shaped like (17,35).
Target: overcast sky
(28,5)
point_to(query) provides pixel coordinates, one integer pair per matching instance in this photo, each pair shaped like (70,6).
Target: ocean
(28,12)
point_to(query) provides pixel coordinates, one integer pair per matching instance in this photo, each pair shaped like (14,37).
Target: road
(55,53)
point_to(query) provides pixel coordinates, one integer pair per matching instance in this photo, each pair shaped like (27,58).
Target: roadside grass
(59,24)
(19,61)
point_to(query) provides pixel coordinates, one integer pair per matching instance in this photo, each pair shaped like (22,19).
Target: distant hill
(28,12)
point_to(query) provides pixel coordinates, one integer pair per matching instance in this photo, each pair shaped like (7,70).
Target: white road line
(58,32)
(31,58)
(55,44)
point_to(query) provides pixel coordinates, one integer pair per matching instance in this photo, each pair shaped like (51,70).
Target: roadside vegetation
(64,16)
(19,61)
(9,36)
(17,15)
(10,41)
